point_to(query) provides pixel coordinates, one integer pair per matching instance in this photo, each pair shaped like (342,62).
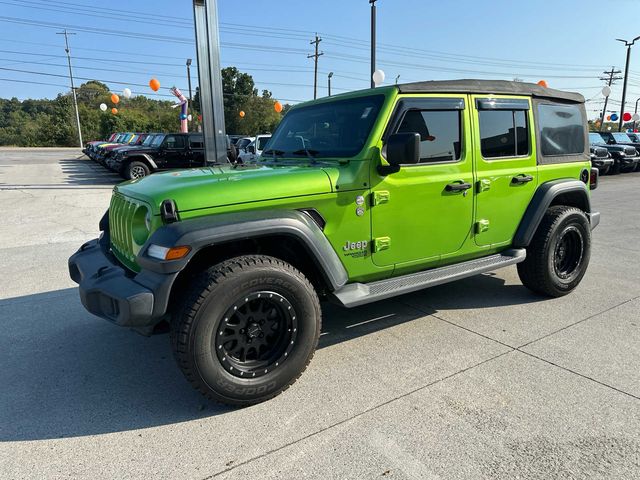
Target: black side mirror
(251,149)
(402,149)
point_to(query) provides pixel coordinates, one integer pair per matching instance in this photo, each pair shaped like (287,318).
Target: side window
(174,141)
(561,129)
(439,133)
(196,142)
(503,133)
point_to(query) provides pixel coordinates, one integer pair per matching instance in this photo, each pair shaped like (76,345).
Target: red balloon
(626,117)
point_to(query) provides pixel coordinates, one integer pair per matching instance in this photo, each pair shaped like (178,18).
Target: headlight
(140,227)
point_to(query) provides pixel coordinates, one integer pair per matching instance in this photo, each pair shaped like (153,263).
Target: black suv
(625,156)
(166,151)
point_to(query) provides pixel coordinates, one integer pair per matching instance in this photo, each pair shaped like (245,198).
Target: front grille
(121,213)
(601,152)
(630,151)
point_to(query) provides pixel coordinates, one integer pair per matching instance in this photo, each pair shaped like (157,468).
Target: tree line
(51,122)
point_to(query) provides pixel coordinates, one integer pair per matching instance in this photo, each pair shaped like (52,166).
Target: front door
(506,166)
(425,210)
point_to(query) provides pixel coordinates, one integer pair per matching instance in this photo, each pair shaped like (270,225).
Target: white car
(254,149)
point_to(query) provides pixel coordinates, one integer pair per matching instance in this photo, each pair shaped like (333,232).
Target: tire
(615,168)
(253,298)
(605,170)
(136,169)
(559,253)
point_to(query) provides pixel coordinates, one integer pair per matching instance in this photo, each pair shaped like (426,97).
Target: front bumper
(628,162)
(601,163)
(112,292)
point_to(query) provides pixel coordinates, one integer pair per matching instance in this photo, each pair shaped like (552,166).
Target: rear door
(196,151)
(506,169)
(174,152)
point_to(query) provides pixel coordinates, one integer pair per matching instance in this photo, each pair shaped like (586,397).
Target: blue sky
(568,43)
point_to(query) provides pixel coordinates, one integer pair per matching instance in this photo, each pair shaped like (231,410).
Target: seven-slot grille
(630,151)
(120,220)
(601,152)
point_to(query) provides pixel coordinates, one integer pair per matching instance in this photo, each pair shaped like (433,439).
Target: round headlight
(140,227)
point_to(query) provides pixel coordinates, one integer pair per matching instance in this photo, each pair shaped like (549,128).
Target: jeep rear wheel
(246,330)
(135,170)
(558,255)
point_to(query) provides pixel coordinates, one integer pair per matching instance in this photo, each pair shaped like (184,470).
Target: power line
(610,79)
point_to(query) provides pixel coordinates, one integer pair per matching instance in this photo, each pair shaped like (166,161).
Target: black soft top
(496,87)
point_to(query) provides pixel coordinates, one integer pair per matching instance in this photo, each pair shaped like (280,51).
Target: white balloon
(635,117)
(609,128)
(189,117)
(606,90)
(378,77)
(126,93)
(103,107)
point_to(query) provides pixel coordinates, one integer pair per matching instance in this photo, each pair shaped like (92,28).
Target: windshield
(595,138)
(262,141)
(148,140)
(621,137)
(333,129)
(157,140)
(243,142)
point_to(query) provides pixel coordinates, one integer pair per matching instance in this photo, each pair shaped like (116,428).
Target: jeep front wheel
(558,255)
(246,329)
(135,170)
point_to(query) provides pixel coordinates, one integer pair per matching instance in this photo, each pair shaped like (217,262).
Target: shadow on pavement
(67,373)
(84,171)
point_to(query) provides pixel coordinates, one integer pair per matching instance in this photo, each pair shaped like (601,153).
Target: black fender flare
(148,158)
(210,230)
(542,199)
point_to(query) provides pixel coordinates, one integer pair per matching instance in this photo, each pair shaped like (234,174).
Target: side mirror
(251,149)
(402,149)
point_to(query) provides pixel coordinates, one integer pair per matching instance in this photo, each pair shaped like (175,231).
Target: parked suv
(600,156)
(358,198)
(166,151)
(625,156)
(254,149)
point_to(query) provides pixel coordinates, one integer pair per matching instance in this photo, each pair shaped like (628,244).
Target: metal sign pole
(210,79)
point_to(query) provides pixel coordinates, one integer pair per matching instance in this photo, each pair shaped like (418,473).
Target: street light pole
(373,40)
(329,82)
(189,82)
(626,77)
(397,78)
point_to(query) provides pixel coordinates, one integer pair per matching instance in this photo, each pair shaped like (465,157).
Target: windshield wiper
(310,153)
(274,153)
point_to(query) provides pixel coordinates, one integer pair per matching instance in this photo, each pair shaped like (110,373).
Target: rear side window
(561,129)
(439,133)
(196,142)
(503,133)
(174,141)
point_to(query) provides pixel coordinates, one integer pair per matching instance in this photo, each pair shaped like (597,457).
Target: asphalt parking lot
(476,379)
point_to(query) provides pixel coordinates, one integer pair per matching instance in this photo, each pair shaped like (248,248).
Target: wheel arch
(140,157)
(291,236)
(573,193)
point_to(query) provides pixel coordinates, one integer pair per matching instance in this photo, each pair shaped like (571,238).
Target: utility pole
(329,82)
(315,62)
(626,77)
(189,82)
(609,81)
(373,41)
(73,88)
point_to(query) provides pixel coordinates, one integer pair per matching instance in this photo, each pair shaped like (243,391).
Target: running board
(355,294)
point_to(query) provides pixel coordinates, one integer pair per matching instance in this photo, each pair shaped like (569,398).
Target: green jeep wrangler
(356,198)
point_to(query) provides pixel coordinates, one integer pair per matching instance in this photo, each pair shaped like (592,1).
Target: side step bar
(355,294)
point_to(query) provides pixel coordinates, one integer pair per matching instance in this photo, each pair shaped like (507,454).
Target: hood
(218,186)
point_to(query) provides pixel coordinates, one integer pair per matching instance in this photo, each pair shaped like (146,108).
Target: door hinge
(482,226)
(380,197)
(381,243)
(484,185)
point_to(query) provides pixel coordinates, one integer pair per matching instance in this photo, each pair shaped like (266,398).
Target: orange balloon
(277,106)
(154,84)
(543,83)
(241,113)
(115,98)
(114,111)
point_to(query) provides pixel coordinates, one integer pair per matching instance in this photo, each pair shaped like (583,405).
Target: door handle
(520,179)
(457,187)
